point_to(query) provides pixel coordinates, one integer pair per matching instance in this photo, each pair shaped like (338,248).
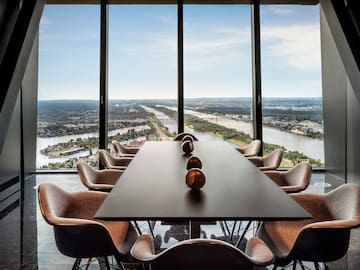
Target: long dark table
(153,188)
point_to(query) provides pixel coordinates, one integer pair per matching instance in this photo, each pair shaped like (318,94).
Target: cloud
(296,45)
(167,19)
(44,21)
(281,11)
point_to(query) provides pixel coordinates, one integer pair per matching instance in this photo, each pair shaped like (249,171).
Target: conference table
(153,187)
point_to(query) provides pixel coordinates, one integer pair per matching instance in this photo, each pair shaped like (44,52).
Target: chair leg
(302,265)
(151,228)
(222,228)
(76,264)
(119,263)
(103,263)
(316,264)
(233,231)
(275,267)
(243,234)
(137,227)
(294,265)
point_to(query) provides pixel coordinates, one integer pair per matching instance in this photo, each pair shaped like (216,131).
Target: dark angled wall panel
(353,133)
(334,82)
(29,103)
(10,216)
(29,201)
(10,155)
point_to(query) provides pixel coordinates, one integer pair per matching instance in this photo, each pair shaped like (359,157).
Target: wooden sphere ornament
(194,162)
(187,147)
(195,179)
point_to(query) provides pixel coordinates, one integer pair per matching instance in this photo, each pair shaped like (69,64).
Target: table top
(153,187)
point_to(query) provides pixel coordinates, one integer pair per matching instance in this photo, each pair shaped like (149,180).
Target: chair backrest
(328,240)
(195,254)
(253,148)
(273,160)
(117,149)
(300,175)
(53,202)
(344,204)
(75,237)
(105,158)
(180,136)
(102,180)
(87,174)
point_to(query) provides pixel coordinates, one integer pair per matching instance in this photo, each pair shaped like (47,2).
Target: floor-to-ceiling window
(217,72)
(143,78)
(68,86)
(142,73)
(291,82)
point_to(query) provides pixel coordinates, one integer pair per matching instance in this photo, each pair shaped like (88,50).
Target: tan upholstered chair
(180,136)
(111,162)
(118,149)
(77,233)
(98,180)
(251,149)
(294,180)
(270,162)
(122,149)
(323,238)
(195,254)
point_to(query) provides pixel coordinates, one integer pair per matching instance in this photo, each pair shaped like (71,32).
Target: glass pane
(142,73)
(217,72)
(68,86)
(291,83)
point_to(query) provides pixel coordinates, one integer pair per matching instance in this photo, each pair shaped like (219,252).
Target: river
(44,142)
(313,148)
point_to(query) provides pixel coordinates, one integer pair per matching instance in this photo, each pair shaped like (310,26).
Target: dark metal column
(103,74)
(180,67)
(256,70)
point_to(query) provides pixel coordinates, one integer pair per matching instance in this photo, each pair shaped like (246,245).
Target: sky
(143,51)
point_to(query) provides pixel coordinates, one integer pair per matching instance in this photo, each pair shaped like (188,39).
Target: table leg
(194,229)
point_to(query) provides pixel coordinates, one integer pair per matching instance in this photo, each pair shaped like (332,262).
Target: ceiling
(273,2)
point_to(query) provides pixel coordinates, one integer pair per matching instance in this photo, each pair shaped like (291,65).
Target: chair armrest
(276,177)
(128,149)
(304,198)
(257,161)
(101,187)
(85,204)
(258,252)
(108,176)
(131,150)
(240,150)
(122,161)
(265,168)
(119,168)
(143,249)
(332,224)
(315,204)
(126,155)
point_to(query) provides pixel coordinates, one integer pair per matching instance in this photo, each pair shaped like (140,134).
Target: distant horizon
(194,98)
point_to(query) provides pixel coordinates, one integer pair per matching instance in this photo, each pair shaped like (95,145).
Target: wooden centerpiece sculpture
(195,179)
(188,145)
(194,162)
